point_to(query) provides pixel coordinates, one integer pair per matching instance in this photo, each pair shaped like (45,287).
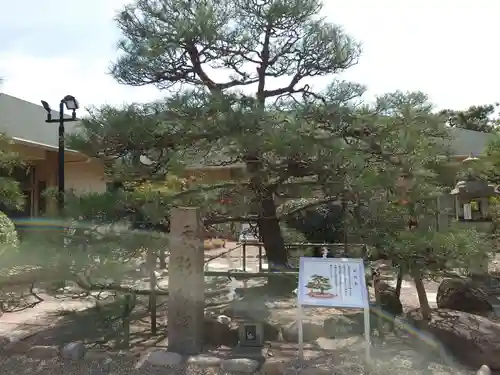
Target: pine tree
(320,283)
(239,82)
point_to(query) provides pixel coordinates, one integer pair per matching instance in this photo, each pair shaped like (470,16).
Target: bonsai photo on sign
(318,286)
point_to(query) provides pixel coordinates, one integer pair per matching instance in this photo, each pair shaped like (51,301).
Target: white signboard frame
(332,282)
(467,211)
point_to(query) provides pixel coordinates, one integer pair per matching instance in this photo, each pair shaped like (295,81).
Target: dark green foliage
(323,224)
(477,117)
(489,167)
(245,98)
(11,197)
(181,43)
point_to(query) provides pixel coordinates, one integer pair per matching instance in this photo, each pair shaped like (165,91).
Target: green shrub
(8,233)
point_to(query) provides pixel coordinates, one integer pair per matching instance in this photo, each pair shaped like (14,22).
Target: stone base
(251,334)
(256,353)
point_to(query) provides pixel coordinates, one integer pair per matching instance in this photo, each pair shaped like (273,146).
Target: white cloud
(50,79)
(446,49)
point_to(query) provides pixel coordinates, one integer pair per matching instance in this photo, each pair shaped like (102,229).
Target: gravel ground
(403,354)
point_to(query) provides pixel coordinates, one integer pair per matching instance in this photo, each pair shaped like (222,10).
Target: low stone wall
(18,356)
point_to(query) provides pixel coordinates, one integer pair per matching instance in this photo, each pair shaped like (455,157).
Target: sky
(447,49)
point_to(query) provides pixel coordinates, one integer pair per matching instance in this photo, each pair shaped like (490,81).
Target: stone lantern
(472,195)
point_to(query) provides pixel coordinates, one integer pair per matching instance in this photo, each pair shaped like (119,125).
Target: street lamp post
(71,104)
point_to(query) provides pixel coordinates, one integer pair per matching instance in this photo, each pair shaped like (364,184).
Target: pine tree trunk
(274,244)
(425,309)
(399,282)
(151,260)
(126,311)
(378,303)
(267,222)
(270,231)
(163,260)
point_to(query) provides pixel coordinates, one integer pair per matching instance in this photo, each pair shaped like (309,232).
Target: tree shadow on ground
(99,327)
(347,356)
(118,365)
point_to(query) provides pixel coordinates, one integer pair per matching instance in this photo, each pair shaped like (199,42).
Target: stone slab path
(22,324)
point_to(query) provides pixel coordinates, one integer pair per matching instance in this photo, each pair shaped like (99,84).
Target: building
(37,143)
(463,143)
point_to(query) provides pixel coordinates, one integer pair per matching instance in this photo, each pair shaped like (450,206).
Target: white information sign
(333,282)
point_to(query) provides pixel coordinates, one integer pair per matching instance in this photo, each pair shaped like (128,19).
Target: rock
(351,323)
(73,351)
(462,295)
(105,366)
(338,344)
(315,371)
(43,352)
(239,365)
(390,303)
(271,332)
(204,361)
(389,300)
(472,339)
(247,308)
(217,333)
(4,341)
(97,354)
(311,331)
(483,370)
(223,319)
(382,265)
(17,346)
(250,352)
(391,306)
(273,367)
(344,325)
(160,358)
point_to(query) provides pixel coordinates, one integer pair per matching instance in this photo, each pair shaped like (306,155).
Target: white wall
(19,118)
(85,177)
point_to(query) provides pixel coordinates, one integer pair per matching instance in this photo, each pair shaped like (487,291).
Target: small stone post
(186,284)
(483,370)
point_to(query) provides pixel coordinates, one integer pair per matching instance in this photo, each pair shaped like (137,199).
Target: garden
(313,165)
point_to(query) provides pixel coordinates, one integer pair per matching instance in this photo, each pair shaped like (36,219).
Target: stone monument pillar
(186,284)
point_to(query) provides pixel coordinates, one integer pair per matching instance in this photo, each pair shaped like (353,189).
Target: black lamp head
(46,106)
(71,102)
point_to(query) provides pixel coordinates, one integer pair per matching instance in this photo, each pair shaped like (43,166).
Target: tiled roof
(464,142)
